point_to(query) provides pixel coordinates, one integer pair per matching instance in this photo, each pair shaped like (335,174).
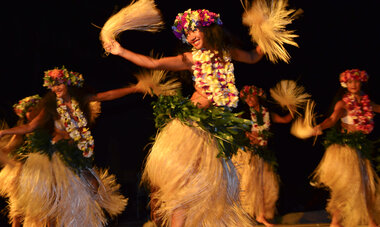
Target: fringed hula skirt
(45,189)
(259,184)
(187,178)
(353,183)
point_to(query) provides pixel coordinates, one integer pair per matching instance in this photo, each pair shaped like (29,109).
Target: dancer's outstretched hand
(113,47)
(317,131)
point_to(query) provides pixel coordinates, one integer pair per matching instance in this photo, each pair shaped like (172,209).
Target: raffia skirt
(353,184)
(259,184)
(44,190)
(186,177)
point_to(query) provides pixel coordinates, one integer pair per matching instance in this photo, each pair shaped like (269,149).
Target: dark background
(40,35)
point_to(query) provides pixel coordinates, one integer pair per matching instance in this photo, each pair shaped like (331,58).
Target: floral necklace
(360,111)
(76,126)
(260,124)
(215,76)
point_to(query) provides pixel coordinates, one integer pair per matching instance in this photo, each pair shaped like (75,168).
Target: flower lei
(22,106)
(62,76)
(191,19)
(360,111)
(75,125)
(260,126)
(352,74)
(251,90)
(215,77)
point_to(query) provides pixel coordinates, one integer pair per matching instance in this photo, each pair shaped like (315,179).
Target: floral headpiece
(352,74)
(22,106)
(62,76)
(251,90)
(191,19)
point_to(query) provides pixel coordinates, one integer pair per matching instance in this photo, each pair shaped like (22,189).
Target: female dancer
(345,167)
(258,180)
(190,185)
(25,110)
(57,184)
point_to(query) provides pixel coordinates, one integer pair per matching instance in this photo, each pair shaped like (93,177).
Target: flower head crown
(22,106)
(352,74)
(251,90)
(191,19)
(62,76)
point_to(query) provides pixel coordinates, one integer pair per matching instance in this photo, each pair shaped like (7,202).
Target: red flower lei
(360,111)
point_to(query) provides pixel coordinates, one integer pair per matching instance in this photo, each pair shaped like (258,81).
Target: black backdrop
(40,35)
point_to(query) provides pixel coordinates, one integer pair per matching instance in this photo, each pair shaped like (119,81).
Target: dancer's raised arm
(249,57)
(113,94)
(339,112)
(175,63)
(25,128)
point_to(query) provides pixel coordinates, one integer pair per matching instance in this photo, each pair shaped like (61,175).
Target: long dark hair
(49,104)
(220,38)
(216,37)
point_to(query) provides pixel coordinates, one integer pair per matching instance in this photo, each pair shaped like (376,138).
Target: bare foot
(372,224)
(178,218)
(264,221)
(335,220)
(16,222)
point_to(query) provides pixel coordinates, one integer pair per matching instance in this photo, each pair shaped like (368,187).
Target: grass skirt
(186,177)
(353,184)
(43,190)
(259,184)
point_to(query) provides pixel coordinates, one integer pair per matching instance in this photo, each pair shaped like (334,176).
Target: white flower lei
(215,77)
(260,128)
(75,125)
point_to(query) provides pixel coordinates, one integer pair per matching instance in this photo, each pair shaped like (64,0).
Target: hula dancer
(345,168)
(259,182)
(192,179)
(57,184)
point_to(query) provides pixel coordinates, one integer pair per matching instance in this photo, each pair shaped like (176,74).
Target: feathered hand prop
(154,82)
(289,95)
(267,22)
(140,15)
(303,128)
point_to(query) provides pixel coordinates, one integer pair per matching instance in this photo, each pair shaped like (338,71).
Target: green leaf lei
(356,140)
(40,142)
(228,129)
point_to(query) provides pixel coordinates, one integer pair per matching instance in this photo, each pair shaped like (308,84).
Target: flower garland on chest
(76,126)
(215,76)
(260,125)
(360,111)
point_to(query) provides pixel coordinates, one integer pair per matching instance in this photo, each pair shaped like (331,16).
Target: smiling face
(252,101)
(196,38)
(30,114)
(60,90)
(354,86)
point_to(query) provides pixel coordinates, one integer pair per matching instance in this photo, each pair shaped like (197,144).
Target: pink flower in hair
(352,74)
